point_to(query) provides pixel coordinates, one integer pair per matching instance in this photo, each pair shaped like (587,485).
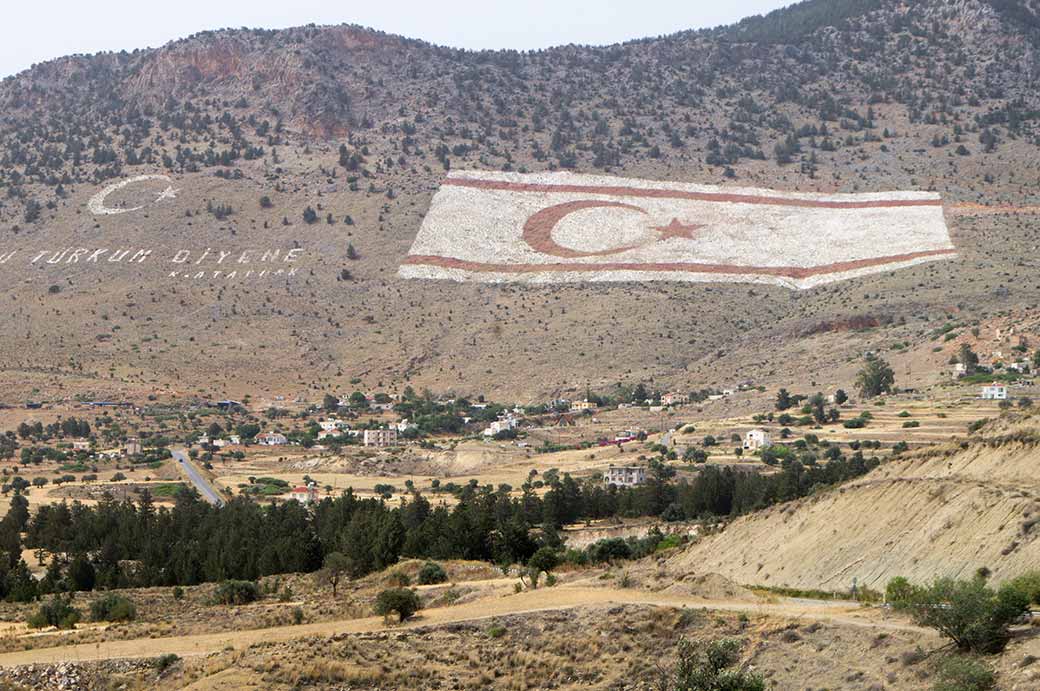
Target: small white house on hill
(305,495)
(757,439)
(501,425)
(995,392)
(675,398)
(271,439)
(625,476)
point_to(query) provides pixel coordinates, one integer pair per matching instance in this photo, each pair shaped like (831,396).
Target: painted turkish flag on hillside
(560,227)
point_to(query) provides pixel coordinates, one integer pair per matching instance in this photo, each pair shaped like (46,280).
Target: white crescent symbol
(96,205)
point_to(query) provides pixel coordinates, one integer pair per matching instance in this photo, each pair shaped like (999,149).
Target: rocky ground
(619,648)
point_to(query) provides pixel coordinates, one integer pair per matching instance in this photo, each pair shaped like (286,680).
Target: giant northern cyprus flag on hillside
(561,227)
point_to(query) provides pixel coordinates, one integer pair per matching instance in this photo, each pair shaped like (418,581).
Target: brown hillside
(865,95)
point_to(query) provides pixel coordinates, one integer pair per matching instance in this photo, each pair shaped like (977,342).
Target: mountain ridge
(361,125)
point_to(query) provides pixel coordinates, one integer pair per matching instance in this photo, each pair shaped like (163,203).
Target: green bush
(164,662)
(609,549)
(400,579)
(432,572)
(1029,585)
(58,612)
(963,673)
(898,592)
(709,667)
(970,613)
(670,542)
(236,593)
(112,607)
(400,601)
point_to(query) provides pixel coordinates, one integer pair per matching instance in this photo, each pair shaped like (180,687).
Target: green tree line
(126,543)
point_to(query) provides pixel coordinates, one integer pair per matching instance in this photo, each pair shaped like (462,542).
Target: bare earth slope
(947,511)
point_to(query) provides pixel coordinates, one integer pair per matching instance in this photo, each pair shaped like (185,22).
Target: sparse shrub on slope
(432,572)
(963,673)
(58,612)
(236,593)
(710,668)
(112,607)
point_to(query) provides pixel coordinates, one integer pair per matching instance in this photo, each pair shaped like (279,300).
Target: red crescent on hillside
(539,228)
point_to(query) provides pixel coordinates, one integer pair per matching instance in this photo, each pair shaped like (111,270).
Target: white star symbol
(168,193)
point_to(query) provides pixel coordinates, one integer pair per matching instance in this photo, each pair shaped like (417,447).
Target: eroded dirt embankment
(941,512)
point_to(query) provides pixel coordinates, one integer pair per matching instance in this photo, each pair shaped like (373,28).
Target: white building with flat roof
(757,439)
(380,437)
(625,476)
(995,392)
(501,425)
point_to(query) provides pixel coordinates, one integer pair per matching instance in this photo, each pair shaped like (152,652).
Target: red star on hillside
(677,229)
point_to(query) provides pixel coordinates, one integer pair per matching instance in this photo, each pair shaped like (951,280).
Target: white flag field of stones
(564,227)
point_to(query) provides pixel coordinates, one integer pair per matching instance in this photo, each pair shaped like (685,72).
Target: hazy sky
(37,30)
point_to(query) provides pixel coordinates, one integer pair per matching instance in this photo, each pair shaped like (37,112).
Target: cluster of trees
(69,427)
(194,542)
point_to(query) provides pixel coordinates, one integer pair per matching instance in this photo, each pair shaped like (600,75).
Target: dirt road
(546,599)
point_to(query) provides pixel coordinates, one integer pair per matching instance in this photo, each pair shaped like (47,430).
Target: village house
(405,426)
(625,476)
(757,439)
(132,447)
(332,424)
(675,398)
(80,445)
(305,495)
(271,439)
(995,392)
(501,425)
(584,404)
(959,370)
(329,433)
(380,437)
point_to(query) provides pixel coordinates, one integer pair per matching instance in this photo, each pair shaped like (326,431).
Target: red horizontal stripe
(503,185)
(781,271)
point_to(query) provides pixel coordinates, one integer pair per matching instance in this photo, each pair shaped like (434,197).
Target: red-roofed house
(305,495)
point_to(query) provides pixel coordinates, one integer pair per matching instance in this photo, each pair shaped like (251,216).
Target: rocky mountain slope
(254,128)
(946,511)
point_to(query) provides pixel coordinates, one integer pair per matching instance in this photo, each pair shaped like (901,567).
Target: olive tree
(400,601)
